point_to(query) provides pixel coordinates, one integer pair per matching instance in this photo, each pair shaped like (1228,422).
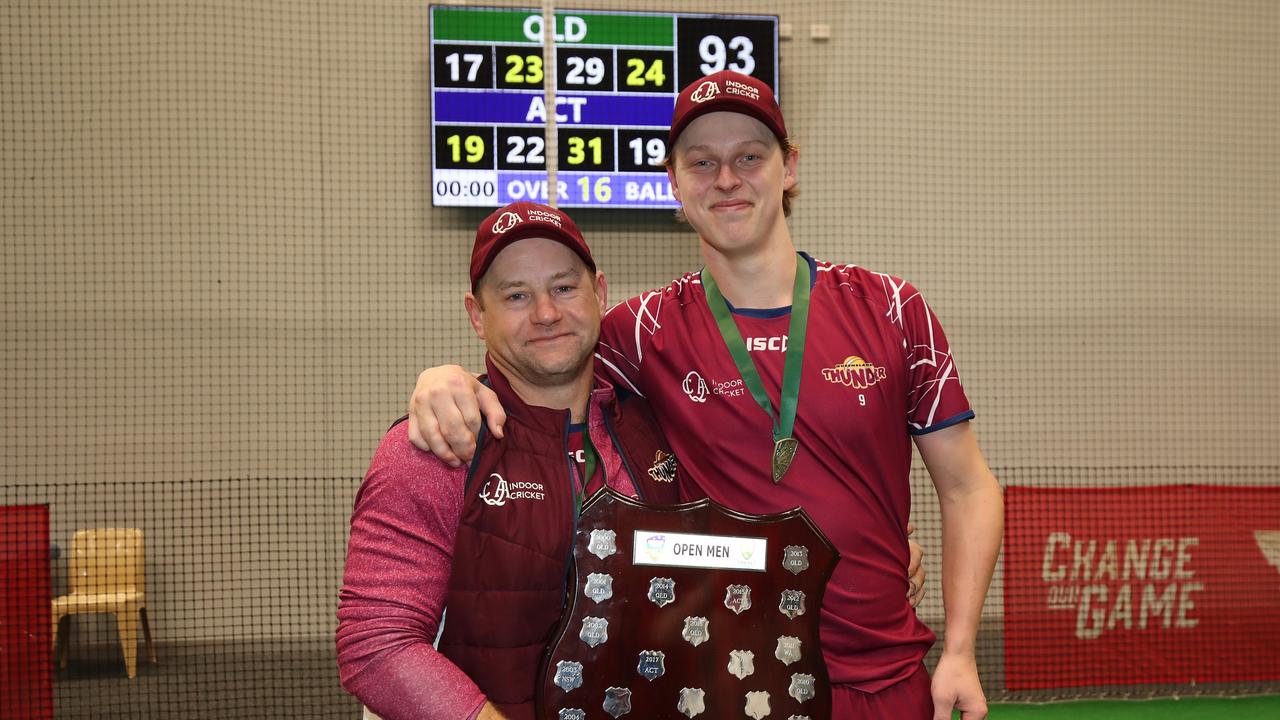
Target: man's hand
(915,569)
(445,412)
(972,525)
(956,687)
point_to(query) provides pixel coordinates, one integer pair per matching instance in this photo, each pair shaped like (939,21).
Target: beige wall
(220,259)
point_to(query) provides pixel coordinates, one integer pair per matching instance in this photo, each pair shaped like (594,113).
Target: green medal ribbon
(784,445)
(588,450)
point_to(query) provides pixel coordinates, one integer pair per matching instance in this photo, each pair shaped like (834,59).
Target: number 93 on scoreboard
(616,76)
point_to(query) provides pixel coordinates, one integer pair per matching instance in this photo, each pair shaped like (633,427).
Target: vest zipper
(573,505)
(481,438)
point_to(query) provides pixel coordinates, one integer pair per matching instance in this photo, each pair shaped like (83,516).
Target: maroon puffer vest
(513,550)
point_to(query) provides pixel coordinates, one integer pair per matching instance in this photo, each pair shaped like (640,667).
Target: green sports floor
(1264,707)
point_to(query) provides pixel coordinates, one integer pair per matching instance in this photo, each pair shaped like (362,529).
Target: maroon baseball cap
(726,91)
(521,221)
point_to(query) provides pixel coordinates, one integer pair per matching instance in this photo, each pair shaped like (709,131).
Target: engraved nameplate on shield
(599,587)
(795,558)
(647,584)
(697,630)
(737,598)
(757,704)
(568,675)
(662,591)
(792,603)
(603,543)
(801,687)
(788,650)
(573,714)
(595,631)
(617,701)
(652,664)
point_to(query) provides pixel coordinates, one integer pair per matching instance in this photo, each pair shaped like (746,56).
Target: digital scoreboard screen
(616,78)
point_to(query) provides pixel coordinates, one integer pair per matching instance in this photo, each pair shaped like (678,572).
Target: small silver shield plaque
(788,649)
(599,587)
(692,702)
(595,631)
(697,630)
(652,664)
(568,675)
(795,558)
(573,714)
(801,687)
(792,603)
(603,543)
(798,717)
(617,701)
(741,663)
(737,598)
(662,591)
(757,704)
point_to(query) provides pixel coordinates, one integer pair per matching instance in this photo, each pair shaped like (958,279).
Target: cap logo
(704,92)
(505,222)
(544,216)
(733,87)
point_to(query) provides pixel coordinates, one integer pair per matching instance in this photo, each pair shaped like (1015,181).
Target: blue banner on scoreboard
(508,108)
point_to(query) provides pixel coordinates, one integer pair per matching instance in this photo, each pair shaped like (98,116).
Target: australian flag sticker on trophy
(648,584)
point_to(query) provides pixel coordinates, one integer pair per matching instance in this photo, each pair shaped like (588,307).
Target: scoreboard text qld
(616,78)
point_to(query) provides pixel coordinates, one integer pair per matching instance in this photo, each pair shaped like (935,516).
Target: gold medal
(784,451)
(784,417)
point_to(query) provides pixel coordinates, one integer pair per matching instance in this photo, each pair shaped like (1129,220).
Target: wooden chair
(107,577)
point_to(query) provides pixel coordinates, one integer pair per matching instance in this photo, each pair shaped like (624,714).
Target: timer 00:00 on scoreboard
(616,77)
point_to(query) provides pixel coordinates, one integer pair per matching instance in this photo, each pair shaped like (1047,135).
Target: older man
(492,540)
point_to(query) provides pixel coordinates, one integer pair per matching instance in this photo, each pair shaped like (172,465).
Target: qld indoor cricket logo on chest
(855,372)
(498,491)
(697,388)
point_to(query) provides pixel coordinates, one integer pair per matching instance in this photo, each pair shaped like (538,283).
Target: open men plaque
(689,611)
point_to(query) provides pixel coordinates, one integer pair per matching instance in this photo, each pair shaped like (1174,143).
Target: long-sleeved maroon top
(397,578)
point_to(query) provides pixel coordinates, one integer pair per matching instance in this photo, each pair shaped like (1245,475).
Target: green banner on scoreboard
(523,26)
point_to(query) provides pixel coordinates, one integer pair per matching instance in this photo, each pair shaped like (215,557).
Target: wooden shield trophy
(689,611)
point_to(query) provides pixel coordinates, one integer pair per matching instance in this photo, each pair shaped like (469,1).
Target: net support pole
(552,152)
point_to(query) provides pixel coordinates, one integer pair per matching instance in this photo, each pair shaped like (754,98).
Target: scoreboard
(616,78)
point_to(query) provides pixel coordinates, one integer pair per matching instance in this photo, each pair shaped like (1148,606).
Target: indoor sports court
(235,231)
